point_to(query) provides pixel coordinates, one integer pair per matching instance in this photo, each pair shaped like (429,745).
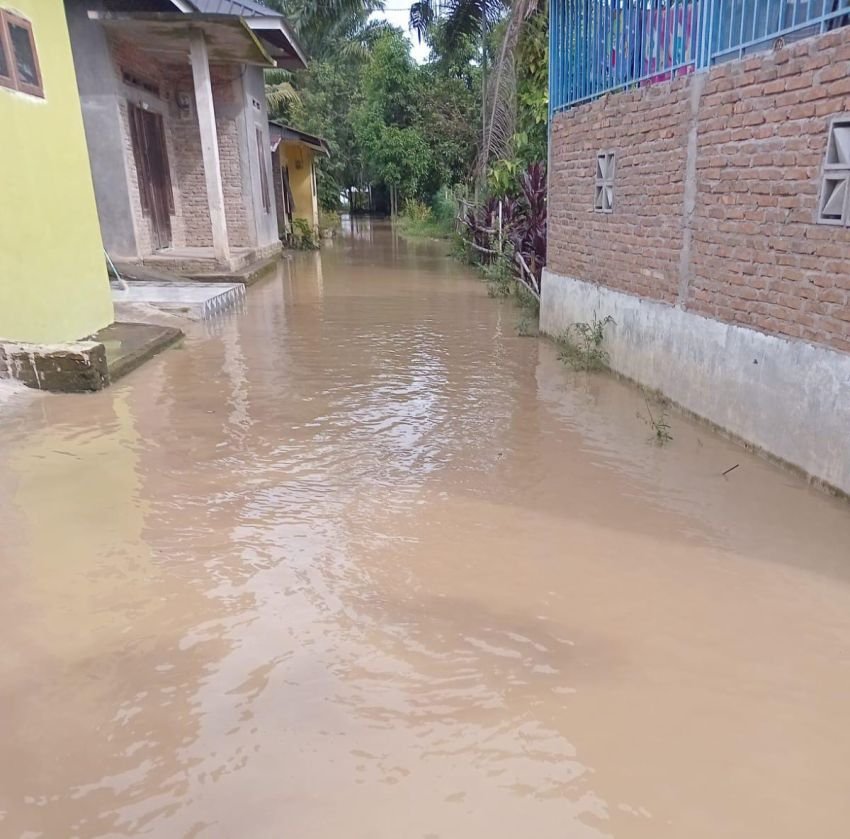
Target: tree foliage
(394,125)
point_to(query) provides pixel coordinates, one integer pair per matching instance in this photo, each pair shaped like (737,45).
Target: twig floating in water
(731,469)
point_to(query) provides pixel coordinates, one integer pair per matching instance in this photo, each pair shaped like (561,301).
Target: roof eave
(258,24)
(193,20)
(313,141)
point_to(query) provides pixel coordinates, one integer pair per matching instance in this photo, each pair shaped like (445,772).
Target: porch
(202,260)
(190,108)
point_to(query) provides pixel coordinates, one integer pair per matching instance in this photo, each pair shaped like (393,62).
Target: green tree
(338,36)
(393,148)
(447,117)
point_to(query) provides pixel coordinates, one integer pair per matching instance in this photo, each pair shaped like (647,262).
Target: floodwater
(358,562)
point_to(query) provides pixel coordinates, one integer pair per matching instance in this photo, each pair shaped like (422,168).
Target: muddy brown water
(358,561)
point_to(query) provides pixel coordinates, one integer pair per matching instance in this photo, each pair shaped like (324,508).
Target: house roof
(279,133)
(243,8)
(270,25)
(166,34)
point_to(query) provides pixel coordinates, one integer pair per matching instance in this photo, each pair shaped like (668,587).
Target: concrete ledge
(129,345)
(164,270)
(246,276)
(87,365)
(191,261)
(787,398)
(71,368)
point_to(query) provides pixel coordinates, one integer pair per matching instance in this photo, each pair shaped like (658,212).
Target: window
(264,177)
(18,58)
(603,197)
(834,207)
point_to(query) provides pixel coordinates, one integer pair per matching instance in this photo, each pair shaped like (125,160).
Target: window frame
(7,20)
(8,80)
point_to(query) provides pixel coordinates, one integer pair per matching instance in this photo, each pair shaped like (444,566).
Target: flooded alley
(356,561)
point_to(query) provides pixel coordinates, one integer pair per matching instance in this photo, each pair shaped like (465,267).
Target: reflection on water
(357,561)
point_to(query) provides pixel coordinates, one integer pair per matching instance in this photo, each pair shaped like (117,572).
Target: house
(173,101)
(699,193)
(294,172)
(54,286)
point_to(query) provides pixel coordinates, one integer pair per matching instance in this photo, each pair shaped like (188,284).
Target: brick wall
(750,252)
(636,248)
(237,208)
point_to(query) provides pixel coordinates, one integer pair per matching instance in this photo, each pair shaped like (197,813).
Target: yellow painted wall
(53,281)
(302,183)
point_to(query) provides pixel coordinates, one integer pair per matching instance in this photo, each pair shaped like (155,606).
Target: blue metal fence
(597,46)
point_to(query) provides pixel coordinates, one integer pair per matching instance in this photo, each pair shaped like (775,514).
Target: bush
(499,276)
(431,221)
(303,235)
(329,220)
(329,223)
(444,209)
(418,212)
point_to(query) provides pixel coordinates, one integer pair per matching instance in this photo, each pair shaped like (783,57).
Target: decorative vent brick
(603,199)
(834,207)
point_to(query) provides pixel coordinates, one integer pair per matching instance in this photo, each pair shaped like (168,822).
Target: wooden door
(149,149)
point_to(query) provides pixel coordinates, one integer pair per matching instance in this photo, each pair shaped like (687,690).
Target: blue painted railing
(597,46)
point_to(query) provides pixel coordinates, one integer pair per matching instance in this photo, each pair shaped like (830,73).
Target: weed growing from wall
(657,420)
(582,344)
(303,235)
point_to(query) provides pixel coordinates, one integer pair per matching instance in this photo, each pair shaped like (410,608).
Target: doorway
(149,150)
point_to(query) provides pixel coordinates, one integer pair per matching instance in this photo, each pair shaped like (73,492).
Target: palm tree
(473,19)
(332,27)
(461,18)
(322,25)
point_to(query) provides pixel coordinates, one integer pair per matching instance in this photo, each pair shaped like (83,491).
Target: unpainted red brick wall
(636,248)
(756,257)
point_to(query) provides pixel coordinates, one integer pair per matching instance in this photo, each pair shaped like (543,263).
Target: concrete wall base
(788,398)
(69,368)
(87,365)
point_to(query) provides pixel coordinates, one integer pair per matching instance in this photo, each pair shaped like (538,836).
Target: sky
(398,14)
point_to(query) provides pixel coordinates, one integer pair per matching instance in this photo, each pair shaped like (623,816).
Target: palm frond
(421,18)
(500,100)
(278,95)
(462,18)
(500,113)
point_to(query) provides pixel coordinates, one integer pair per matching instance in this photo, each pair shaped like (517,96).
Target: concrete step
(195,300)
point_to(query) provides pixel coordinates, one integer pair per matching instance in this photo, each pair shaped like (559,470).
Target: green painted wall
(53,281)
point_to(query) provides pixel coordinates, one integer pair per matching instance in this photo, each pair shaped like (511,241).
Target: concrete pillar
(209,143)
(314,188)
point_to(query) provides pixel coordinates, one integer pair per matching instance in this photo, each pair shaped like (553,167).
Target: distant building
(174,106)
(699,192)
(294,170)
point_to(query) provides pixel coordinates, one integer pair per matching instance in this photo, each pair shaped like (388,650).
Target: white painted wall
(790,398)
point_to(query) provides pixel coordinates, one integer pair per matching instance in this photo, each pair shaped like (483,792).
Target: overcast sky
(398,14)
